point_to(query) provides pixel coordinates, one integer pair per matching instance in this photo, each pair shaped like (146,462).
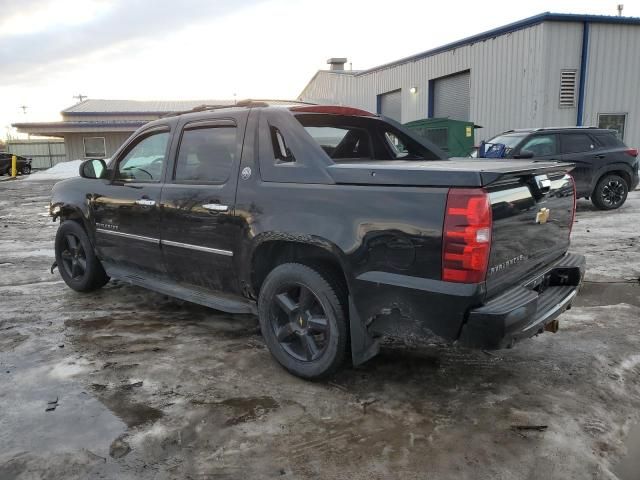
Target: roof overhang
(59,129)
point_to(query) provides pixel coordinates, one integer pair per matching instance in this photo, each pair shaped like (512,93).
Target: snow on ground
(59,171)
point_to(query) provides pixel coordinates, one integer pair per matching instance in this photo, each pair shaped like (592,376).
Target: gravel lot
(151,388)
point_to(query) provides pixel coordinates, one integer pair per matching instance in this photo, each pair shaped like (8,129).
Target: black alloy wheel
(300,323)
(303,317)
(79,267)
(610,193)
(74,258)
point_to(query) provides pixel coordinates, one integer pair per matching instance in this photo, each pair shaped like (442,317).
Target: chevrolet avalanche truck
(335,226)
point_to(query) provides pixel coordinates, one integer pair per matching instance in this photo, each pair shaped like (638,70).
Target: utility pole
(24,109)
(620,8)
(80,97)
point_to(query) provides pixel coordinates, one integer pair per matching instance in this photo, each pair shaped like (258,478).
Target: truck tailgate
(532,218)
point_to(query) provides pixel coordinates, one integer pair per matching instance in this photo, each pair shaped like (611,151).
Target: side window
(143,162)
(541,145)
(576,143)
(206,154)
(280,150)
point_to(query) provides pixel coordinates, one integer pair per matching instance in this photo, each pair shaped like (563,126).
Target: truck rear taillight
(632,152)
(466,238)
(573,214)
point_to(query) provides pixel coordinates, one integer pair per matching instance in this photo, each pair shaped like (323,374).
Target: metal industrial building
(547,70)
(97,128)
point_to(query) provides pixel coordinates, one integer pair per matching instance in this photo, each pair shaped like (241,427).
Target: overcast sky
(51,50)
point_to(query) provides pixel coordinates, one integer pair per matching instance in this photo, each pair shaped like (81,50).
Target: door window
(541,145)
(576,143)
(144,162)
(206,155)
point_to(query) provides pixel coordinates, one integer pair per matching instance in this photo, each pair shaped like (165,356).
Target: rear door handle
(146,202)
(600,155)
(215,207)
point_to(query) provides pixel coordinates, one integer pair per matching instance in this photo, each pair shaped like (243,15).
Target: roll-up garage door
(451,97)
(391,105)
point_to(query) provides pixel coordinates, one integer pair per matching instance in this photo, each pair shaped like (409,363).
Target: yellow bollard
(14,166)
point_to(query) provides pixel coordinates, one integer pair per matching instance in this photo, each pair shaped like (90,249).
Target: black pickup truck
(335,226)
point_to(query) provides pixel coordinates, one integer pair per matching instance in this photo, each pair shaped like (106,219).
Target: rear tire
(77,262)
(303,320)
(25,170)
(610,192)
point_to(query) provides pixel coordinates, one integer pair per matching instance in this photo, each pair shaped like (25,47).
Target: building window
(94,147)
(613,121)
(568,88)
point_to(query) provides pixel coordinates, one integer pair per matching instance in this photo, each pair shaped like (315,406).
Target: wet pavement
(140,386)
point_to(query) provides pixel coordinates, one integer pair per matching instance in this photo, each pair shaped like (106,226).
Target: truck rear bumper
(525,310)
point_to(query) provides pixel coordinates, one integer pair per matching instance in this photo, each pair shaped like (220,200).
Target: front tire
(610,192)
(25,170)
(303,319)
(77,262)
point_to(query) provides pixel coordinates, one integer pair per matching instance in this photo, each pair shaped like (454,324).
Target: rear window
(348,138)
(609,140)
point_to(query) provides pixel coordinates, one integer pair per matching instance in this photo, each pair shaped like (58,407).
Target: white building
(547,70)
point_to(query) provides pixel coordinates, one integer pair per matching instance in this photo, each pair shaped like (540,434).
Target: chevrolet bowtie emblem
(542,216)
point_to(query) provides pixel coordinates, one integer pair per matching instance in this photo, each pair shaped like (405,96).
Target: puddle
(629,466)
(245,409)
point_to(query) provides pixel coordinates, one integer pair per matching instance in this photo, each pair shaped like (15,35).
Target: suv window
(541,145)
(609,140)
(576,143)
(206,154)
(144,161)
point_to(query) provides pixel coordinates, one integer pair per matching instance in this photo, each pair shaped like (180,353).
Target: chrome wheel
(300,323)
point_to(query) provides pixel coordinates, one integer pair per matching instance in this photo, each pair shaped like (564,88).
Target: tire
(610,192)
(77,262)
(25,170)
(307,333)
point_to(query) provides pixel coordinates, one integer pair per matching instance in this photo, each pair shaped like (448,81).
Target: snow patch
(59,171)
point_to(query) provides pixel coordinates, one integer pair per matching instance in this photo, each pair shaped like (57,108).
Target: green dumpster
(453,136)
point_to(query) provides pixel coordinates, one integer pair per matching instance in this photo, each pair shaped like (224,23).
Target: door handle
(145,202)
(215,207)
(600,156)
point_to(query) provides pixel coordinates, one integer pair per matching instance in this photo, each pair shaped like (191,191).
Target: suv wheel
(26,170)
(610,192)
(79,267)
(303,319)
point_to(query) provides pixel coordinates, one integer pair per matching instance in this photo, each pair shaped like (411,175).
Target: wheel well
(621,173)
(273,253)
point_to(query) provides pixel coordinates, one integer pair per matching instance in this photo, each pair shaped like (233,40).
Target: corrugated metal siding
(507,82)
(562,51)
(613,75)
(43,153)
(451,97)
(391,105)
(89,117)
(75,145)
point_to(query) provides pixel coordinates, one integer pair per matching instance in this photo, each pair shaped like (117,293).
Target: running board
(201,296)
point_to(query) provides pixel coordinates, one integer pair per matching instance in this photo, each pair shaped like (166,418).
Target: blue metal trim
(431,98)
(512,27)
(584,60)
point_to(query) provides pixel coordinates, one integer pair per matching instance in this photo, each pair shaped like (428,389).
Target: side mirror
(94,168)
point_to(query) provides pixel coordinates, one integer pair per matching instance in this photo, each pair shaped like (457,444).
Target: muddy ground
(140,386)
